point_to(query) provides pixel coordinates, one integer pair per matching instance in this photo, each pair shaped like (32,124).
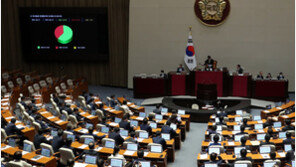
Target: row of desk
(182,84)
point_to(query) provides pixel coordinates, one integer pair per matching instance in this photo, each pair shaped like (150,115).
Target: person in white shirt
(126,108)
(17,159)
(116,154)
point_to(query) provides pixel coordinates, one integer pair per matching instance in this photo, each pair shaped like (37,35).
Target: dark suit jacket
(38,139)
(115,136)
(11,129)
(147,128)
(167,129)
(42,124)
(244,159)
(211,131)
(289,141)
(125,125)
(57,143)
(265,143)
(131,140)
(89,152)
(160,140)
(288,128)
(112,103)
(156,111)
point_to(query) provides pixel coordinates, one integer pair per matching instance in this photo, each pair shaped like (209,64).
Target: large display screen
(64,34)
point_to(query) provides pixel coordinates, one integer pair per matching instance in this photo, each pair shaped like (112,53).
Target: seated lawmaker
(213,159)
(157,109)
(268,122)
(125,124)
(243,141)
(159,140)
(58,141)
(162,74)
(221,121)
(281,76)
(116,154)
(91,151)
(180,68)
(289,139)
(239,69)
(145,126)
(245,123)
(11,128)
(17,157)
(167,129)
(68,146)
(43,124)
(260,75)
(132,137)
(114,134)
(267,141)
(268,76)
(39,138)
(212,130)
(288,126)
(242,131)
(243,153)
(290,156)
(113,101)
(140,158)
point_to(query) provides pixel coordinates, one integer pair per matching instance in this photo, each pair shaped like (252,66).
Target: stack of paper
(255,143)
(83,146)
(128,152)
(203,156)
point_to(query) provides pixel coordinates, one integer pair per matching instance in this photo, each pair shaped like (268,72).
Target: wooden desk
(131,105)
(276,110)
(282,118)
(53,120)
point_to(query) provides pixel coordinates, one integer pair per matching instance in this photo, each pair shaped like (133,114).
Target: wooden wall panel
(113,73)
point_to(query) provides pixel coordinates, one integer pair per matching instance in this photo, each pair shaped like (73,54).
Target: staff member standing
(239,69)
(180,68)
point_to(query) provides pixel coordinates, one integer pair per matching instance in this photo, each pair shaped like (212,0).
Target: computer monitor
(45,152)
(90,159)
(104,129)
(214,150)
(88,140)
(277,124)
(238,119)
(219,128)
(293,163)
(257,118)
(238,149)
(166,136)
(123,132)
(164,110)
(217,119)
(117,120)
(264,149)
(142,114)
(173,126)
(240,165)
(261,136)
(72,137)
(153,125)
(144,135)
(158,117)
(53,133)
(282,135)
(156,149)
(145,163)
(11,142)
(288,147)
(238,137)
(268,164)
(258,126)
(93,112)
(181,112)
(134,123)
(236,127)
(211,165)
(87,125)
(109,144)
(132,146)
(27,147)
(116,162)
(239,112)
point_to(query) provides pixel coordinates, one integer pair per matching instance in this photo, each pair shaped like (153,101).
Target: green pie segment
(64,34)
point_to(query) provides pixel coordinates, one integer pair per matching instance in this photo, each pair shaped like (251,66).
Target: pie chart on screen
(64,34)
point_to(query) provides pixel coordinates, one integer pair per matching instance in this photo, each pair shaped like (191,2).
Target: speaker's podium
(177,83)
(207,93)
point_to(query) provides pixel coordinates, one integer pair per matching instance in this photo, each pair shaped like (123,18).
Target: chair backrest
(42,83)
(58,90)
(65,113)
(292,132)
(277,161)
(19,81)
(37,126)
(107,139)
(15,164)
(27,78)
(30,143)
(65,133)
(73,121)
(31,90)
(36,87)
(47,146)
(3,135)
(195,106)
(126,143)
(63,86)
(100,113)
(70,82)
(99,126)
(66,154)
(83,137)
(5,75)
(3,89)
(10,84)
(249,163)
(49,80)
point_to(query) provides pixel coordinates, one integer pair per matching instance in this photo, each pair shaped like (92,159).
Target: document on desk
(59,121)
(78,164)
(145,154)
(203,156)
(260,131)
(36,157)
(9,117)
(82,113)
(98,102)
(279,108)
(266,111)
(98,148)
(113,124)
(282,154)
(68,101)
(51,117)
(260,122)
(255,143)
(266,156)
(83,130)
(83,146)
(140,139)
(24,152)
(231,143)
(140,118)
(20,126)
(5,147)
(89,116)
(128,152)
(44,112)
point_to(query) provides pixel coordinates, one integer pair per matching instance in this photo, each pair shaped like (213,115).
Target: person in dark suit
(268,122)
(289,140)
(162,74)
(245,123)
(23,102)
(68,145)
(34,113)
(114,134)
(140,158)
(132,137)
(180,68)
(260,75)
(92,104)
(56,99)
(68,109)
(216,141)
(58,141)
(242,131)
(221,112)
(39,138)
(239,69)
(43,125)
(159,140)
(77,115)
(221,121)
(268,76)
(209,62)
(91,151)
(243,141)
(267,141)
(157,109)
(145,126)
(290,156)
(280,76)
(288,125)
(90,132)
(213,159)
(101,107)
(125,124)
(90,98)
(167,129)
(174,119)
(113,101)
(11,128)
(212,130)
(33,104)
(243,153)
